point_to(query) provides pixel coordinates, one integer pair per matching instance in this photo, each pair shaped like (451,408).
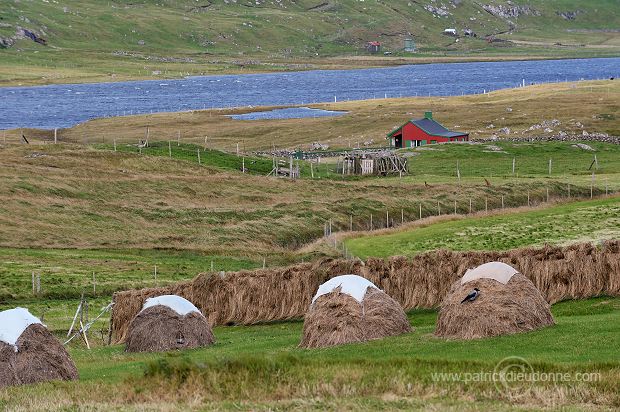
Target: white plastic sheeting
(178,304)
(13,323)
(352,285)
(498,271)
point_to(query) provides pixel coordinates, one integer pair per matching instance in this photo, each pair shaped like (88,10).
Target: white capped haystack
(349,309)
(168,322)
(29,353)
(489,300)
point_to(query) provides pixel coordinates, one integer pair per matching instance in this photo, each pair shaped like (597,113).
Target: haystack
(168,322)
(507,303)
(348,309)
(29,353)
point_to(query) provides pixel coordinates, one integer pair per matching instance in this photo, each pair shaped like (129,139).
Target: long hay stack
(491,300)
(247,297)
(29,353)
(349,309)
(166,323)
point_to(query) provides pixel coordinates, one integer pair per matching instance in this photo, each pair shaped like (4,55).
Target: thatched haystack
(348,309)
(166,323)
(29,353)
(507,302)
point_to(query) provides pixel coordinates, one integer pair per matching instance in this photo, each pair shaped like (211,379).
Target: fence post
(438,208)
(387,218)
(486,204)
(502,201)
(351,223)
(169,148)
(115,145)
(549,166)
(547,195)
(94,285)
(198,151)
(420,210)
(528,198)
(470,208)
(371,221)
(402,216)
(455,206)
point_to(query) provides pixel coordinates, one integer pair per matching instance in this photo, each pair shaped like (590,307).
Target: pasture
(90,219)
(259,367)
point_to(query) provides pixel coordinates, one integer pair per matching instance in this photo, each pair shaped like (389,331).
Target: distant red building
(424,131)
(373,47)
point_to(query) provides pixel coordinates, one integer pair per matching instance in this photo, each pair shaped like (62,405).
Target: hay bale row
(247,297)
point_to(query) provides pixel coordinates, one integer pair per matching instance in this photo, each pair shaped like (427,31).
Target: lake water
(69,104)
(288,113)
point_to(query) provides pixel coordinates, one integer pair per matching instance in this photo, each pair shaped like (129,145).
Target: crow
(472,296)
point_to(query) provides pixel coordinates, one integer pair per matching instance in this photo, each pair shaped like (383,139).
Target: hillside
(94,40)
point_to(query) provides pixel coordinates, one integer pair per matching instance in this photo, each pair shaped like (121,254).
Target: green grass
(262,365)
(589,220)
(94,40)
(226,161)
(65,273)
(495,159)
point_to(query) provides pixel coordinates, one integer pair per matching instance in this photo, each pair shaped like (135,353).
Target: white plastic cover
(498,271)
(178,304)
(352,285)
(13,323)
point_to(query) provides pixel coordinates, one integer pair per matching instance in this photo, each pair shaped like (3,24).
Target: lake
(69,104)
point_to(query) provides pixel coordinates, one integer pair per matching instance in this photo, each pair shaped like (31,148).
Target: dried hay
(499,309)
(128,304)
(40,357)
(263,295)
(337,318)
(159,328)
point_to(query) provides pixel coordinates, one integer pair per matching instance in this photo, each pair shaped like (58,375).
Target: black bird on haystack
(472,296)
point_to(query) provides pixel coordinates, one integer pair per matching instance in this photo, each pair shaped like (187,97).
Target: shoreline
(335,63)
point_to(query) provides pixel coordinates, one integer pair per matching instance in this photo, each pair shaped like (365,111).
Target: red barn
(424,131)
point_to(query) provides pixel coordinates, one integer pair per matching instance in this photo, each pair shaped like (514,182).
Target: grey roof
(435,129)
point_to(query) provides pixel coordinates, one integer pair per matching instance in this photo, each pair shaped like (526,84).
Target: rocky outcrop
(569,15)
(510,11)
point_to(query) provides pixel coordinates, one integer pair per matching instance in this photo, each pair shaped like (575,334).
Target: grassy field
(117,40)
(71,210)
(578,221)
(67,211)
(590,106)
(260,367)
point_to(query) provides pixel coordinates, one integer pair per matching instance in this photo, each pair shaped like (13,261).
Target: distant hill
(176,31)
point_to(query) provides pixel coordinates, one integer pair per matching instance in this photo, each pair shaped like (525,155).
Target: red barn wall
(413,132)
